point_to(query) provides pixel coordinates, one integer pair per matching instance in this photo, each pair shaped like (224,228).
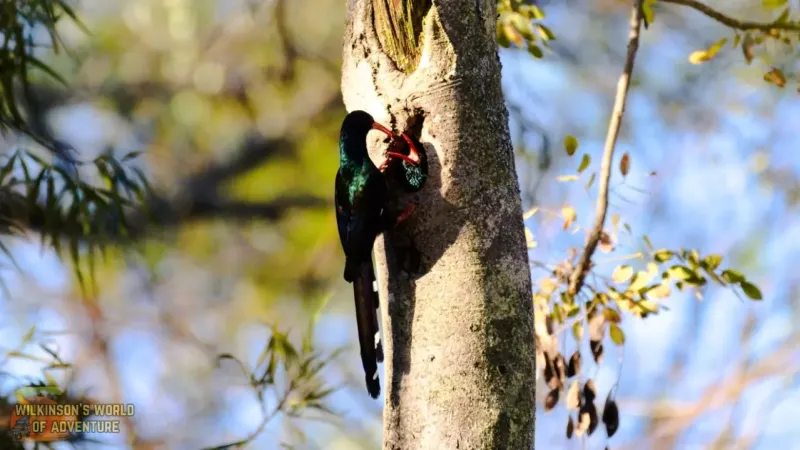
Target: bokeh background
(240,100)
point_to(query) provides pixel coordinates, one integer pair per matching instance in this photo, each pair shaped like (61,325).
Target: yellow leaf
(529,213)
(701,56)
(547,285)
(698,57)
(566,178)
(529,239)
(622,273)
(645,306)
(569,215)
(714,49)
(652,269)
(512,34)
(660,291)
(640,280)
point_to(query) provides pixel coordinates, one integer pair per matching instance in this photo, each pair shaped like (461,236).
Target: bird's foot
(405,214)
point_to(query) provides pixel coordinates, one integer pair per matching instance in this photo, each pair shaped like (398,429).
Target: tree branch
(179,211)
(584,264)
(730,21)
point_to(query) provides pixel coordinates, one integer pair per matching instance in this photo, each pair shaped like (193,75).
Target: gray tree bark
(458,326)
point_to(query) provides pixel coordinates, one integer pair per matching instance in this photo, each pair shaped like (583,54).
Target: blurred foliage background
(235,107)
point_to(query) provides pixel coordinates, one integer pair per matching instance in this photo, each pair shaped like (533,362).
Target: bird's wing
(342,203)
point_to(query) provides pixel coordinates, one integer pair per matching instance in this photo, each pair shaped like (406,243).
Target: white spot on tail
(377,338)
(375,286)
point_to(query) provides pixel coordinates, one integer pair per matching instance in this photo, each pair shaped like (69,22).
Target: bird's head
(353,137)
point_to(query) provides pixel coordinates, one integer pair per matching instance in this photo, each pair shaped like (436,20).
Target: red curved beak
(412,149)
(382,129)
(413,154)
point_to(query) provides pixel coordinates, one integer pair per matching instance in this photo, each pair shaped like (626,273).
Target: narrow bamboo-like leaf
(46,69)
(8,167)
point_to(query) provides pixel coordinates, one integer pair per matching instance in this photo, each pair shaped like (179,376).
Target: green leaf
(570,144)
(641,280)
(33,192)
(647,242)
(773,4)
(262,357)
(732,276)
(8,167)
(585,160)
(680,273)
(577,330)
(711,262)
(617,336)
(663,255)
(751,290)
(46,69)
(502,38)
(558,314)
(784,17)
(647,10)
(535,51)
(544,32)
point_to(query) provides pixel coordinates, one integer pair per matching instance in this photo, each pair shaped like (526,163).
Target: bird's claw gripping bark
(406,214)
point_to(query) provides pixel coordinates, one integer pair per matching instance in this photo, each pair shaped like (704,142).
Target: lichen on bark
(398,24)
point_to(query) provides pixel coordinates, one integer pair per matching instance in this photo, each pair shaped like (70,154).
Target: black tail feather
(378,342)
(366,300)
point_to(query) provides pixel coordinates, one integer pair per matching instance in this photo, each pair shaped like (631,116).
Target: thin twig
(734,23)
(582,268)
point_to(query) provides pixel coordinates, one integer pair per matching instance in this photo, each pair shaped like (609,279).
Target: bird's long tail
(368,332)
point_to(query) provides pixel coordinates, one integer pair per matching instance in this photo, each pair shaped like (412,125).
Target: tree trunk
(458,325)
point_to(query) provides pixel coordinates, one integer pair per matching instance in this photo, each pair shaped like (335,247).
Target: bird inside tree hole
(404,180)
